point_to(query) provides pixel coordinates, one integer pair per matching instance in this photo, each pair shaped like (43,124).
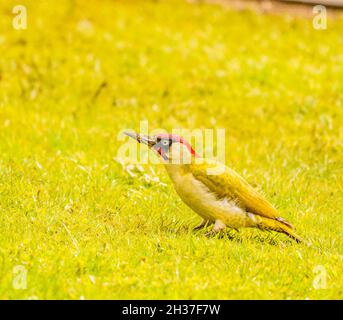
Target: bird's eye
(165,142)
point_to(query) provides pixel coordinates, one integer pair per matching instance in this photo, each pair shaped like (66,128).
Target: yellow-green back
(231,185)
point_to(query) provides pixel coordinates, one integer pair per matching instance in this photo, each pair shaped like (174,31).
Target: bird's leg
(203,224)
(219,226)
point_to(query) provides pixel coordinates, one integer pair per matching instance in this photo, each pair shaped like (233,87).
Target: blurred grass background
(84,227)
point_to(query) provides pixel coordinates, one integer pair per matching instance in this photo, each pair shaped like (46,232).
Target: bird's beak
(142,138)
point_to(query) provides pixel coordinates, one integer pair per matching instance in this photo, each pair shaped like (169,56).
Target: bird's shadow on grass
(261,237)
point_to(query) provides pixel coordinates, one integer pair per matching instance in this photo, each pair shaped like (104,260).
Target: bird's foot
(202,225)
(219,227)
(210,233)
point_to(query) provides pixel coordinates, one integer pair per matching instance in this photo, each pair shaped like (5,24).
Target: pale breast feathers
(229,184)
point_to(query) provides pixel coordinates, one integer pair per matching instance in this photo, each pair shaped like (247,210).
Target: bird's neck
(176,171)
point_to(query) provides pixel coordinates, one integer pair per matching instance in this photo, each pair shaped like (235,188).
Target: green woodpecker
(217,193)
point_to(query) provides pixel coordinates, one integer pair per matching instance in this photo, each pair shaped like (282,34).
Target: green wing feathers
(276,225)
(230,184)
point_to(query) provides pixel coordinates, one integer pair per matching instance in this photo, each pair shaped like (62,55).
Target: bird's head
(171,147)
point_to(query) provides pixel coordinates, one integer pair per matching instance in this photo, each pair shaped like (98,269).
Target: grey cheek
(157,145)
(165,148)
(161,146)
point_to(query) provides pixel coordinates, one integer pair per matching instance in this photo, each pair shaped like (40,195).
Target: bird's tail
(279,226)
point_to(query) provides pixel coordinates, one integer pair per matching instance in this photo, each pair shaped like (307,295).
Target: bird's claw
(202,225)
(199,227)
(210,233)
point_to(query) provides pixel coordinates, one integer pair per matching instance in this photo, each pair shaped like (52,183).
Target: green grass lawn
(83,227)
